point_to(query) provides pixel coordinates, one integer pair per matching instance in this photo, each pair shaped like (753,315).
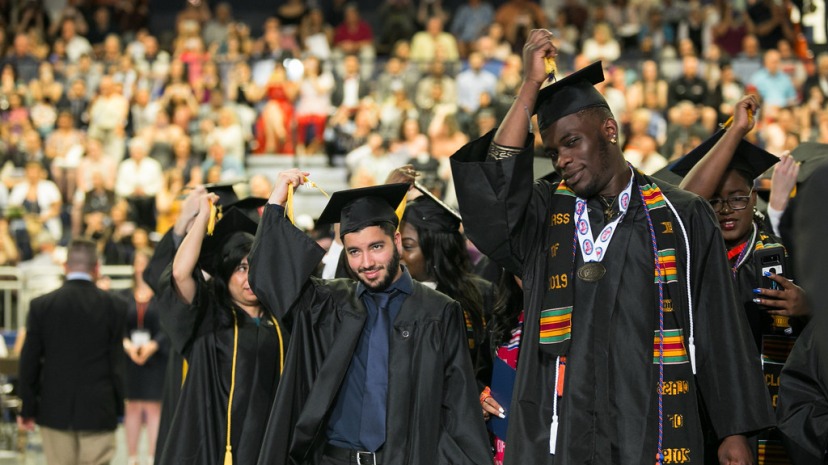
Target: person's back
(72,363)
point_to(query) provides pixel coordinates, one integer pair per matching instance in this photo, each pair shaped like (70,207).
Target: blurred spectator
(76,44)
(693,27)
(728,28)
(40,201)
(689,86)
(430,9)
(139,180)
(315,35)
(116,237)
(727,93)
(427,95)
(650,82)
(274,128)
(656,30)
(107,118)
(684,131)
(93,214)
(217,28)
(21,58)
(350,88)
(101,26)
(396,74)
(393,110)
(65,147)
(775,87)
(602,45)
(791,64)
(410,142)
(260,186)
(433,44)
(186,162)
(370,164)
(290,14)
(229,134)
(76,103)
(470,22)
(313,105)
(397,19)
(770,23)
(229,168)
(445,135)
(168,201)
(473,82)
(518,17)
(749,61)
(9,255)
(820,79)
(354,35)
(346,133)
(142,112)
(160,138)
(41,110)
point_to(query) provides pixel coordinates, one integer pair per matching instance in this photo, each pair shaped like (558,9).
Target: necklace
(608,203)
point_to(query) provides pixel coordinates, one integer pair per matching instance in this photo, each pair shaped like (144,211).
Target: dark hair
(506,311)
(82,255)
(233,251)
(387,227)
(448,262)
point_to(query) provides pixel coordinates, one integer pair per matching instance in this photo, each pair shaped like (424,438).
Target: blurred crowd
(105,124)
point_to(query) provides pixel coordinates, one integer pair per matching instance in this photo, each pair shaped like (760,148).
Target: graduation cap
(570,95)
(235,228)
(810,155)
(250,206)
(429,212)
(666,175)
(225,192)
(748,159)
(355,209)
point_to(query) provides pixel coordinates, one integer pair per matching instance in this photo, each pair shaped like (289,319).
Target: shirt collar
(78,275)
(405,284)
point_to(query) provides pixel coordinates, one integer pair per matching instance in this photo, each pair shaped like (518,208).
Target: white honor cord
(691,341)
(553,428)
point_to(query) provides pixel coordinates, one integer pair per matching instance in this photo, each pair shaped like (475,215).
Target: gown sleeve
(802,409)
(508,225)
(281,261)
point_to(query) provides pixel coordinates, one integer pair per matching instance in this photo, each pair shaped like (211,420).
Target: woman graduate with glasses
(233,343)
(722,170)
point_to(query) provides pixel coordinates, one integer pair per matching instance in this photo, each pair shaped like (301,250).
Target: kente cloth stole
(670,357)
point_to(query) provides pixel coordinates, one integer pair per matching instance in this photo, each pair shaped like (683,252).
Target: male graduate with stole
(378,370)
(630,314)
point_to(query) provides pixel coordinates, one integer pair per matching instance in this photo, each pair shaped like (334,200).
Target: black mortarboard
(748,159)
(811,155)
(235,228)
(250,206)
(224,191)
(570,95)
(355,209)
(429,212)
(666,175)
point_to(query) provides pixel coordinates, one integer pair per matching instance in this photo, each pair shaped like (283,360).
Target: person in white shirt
(139,180)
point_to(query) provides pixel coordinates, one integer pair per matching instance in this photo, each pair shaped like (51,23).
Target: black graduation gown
(203,333)
(161,258)
(608,412)
(433,412)
(802,409)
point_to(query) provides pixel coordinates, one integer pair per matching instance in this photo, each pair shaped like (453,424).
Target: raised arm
(187,255)
(705,177)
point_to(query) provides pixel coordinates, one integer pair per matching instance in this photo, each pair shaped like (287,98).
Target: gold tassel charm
(228,456)
(215,215)
(551,68)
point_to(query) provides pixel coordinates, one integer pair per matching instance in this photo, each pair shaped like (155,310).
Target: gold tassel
(729,121)
(289,205)
(228,457)
(184,368)
(215,215)
(551,67)
(399,211)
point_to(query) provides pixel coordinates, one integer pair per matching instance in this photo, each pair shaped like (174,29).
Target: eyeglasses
(738,202)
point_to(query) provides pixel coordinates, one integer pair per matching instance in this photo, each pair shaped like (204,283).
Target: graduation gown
(204,334)
(802,409)
(608,412)
(432,407)
(173,377)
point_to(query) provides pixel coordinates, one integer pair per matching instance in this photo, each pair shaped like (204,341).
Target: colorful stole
(676,399)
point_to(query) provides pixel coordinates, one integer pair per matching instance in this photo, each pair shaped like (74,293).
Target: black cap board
(570,95)
(355,209)
(249,206)
(666,175)
(224,190)
(748,159)
(811,155)
(429,212)
(233,229)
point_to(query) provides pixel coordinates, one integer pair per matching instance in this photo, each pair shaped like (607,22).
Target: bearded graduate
(378,370)
(630,313)
(233,344)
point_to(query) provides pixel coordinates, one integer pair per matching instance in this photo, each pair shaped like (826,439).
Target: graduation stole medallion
(676,403)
